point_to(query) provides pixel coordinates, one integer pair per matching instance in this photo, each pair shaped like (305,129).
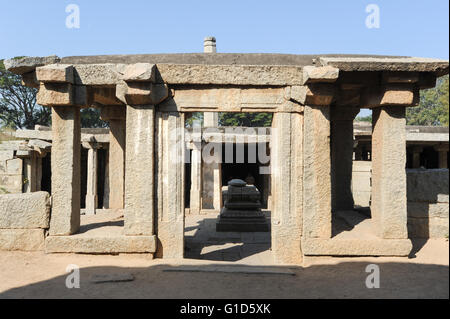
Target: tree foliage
(433,107)
(18,108)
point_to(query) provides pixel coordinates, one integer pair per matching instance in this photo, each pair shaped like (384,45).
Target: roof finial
(209,45)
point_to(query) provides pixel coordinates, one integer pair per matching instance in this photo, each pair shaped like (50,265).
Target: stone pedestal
(242,211)
(389,172)
(66,145)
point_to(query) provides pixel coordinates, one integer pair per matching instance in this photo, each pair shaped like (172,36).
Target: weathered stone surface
(28,64)
(141,93)
(313,74)
(139,170)
(317,173)
(55,94)
(139,72)
(100,245)
(313,94)
(427,210)
(28,210)
(113,112)
(22,239)
(10,184)
(287,184)
(229,74)
(388,172)
(428,185)
(342,156)
(356,247)
(392,94)
(428,227)
(117,163)
(170,184)
(400,77)
(99,74)
(65,170)
(55,73)
(403,64)
(229,99)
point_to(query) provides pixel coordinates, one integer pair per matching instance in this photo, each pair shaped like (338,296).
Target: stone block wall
(24,219)
(11,178)
(361,184)
(428,203)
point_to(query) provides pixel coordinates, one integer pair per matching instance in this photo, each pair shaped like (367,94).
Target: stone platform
(101,234)
(242,221)
(354,235)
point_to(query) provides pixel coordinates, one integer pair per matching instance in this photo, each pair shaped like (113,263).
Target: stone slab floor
(37,275)
(203,242)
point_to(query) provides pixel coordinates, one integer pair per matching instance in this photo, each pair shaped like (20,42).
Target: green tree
(245,119)
(433,107)
(367,118)
(18,107)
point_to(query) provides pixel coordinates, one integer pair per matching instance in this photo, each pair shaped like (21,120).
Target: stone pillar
(139,170)
(209,45)
(170,184)
(442,150)
(196,177)
(212,178)
(116,116)
(116,163)
(389,172)
(33,173)
(416,151)
(91,189)
(317,173)
(342,157)
(286,185)
(66,145)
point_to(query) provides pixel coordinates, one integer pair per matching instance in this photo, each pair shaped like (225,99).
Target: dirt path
(36,275)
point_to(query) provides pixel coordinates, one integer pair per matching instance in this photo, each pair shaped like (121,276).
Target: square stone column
(317,173)
(66,145)
(139,170)
(286,150)
(33,173)
(342,156)
(170,147)
(416,151)
(443,151)
(116,168)
(91,189)
(389,172)
(196,178)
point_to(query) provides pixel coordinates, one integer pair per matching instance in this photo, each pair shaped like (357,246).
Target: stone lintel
(230,99)
(62,94)
(55,73)
(313,74)
(29,79)
(113,112)
(400,77)
(142,93)
(313,94)
(392,94)
(139,72)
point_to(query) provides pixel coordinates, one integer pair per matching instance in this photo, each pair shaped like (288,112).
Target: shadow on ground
(341,280)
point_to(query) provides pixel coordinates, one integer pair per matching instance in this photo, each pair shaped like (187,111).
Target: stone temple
(146,98)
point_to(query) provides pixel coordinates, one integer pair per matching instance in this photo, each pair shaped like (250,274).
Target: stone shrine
(242,209)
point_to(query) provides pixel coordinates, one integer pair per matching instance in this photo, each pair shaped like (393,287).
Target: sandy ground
(37,275)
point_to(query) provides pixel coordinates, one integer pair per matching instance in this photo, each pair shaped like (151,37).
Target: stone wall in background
(428,203)
(11,178)
(24,218)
